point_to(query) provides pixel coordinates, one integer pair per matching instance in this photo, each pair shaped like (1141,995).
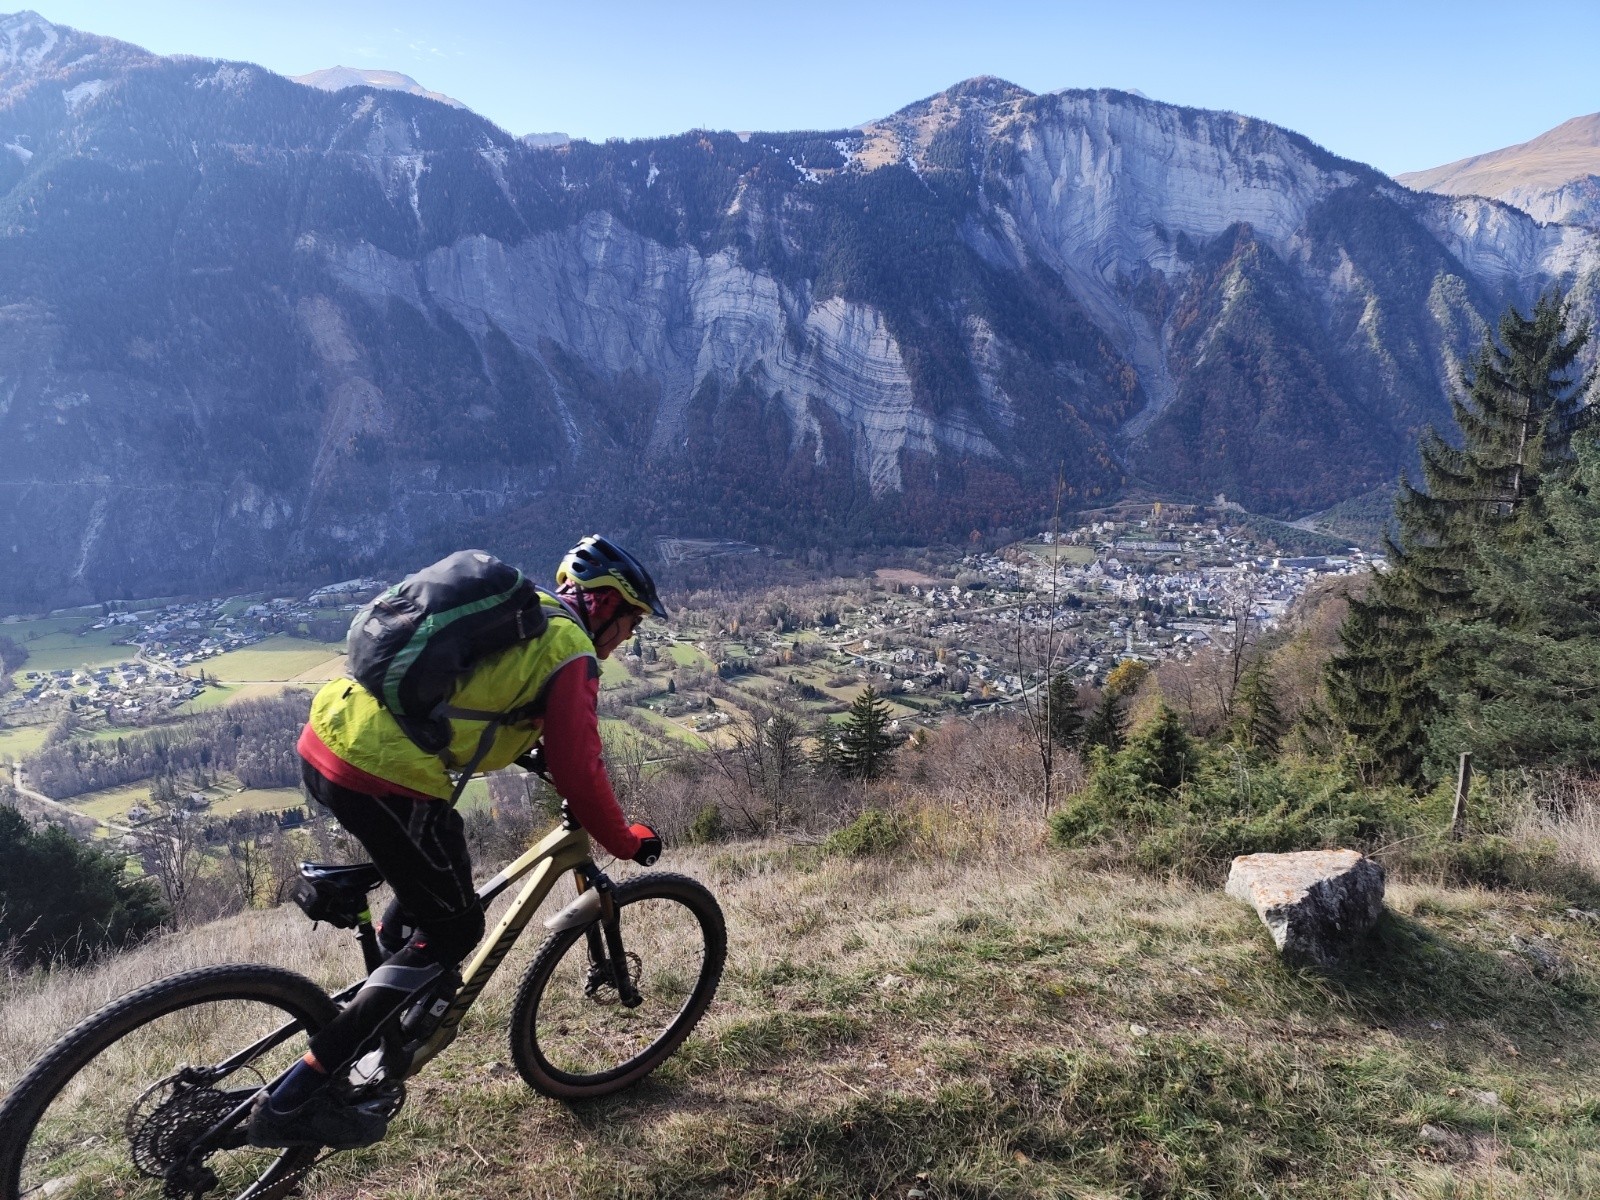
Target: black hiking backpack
(411,645)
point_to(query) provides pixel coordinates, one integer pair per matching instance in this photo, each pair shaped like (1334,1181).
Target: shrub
(1166,803)
(62,899)
(706,828)
(873,832)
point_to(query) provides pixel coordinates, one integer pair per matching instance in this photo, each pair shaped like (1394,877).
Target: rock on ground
(1317,904)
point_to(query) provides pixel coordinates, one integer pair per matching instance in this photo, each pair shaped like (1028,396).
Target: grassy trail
(1015,1028)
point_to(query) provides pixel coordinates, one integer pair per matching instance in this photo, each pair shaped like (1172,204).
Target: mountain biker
(392,795)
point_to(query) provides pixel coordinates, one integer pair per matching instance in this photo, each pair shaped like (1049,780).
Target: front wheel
(572,1038)
(115,1106)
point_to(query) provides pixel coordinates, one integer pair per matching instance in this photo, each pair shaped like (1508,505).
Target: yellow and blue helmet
(598,562)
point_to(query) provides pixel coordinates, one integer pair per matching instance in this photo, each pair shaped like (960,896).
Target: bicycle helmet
(598,562)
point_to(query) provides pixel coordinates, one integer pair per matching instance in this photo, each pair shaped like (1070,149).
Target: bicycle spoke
(582,1029)
(128,1116)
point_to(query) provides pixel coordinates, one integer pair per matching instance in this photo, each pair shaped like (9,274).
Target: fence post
(1458,816)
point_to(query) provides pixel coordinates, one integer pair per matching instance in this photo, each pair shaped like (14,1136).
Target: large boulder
(1317,904)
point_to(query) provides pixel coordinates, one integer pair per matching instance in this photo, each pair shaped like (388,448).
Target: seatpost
(371,954)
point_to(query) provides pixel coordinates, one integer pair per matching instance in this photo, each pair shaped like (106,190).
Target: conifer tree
(1106,725)
(1521,674)
(1516,420)
(827,756)
(1066,722)
(865,743)
(1258,724)
(1162,754)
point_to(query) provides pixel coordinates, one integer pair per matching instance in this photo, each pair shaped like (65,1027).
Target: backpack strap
(494,721)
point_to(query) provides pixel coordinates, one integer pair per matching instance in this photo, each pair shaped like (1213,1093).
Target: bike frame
(562,849)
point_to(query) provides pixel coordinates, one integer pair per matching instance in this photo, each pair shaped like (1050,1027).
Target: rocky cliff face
(252,327)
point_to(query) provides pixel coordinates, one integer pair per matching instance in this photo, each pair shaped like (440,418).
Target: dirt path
(40,797)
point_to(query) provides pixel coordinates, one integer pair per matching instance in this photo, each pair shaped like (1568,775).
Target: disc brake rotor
(602,990)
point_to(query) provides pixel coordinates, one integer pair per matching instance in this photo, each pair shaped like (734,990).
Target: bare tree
(765,765)
(1046,651)
(1234,647)
(174,854)
(248,867)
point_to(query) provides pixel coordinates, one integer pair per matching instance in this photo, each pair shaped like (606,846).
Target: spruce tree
(827,756)
(1258,724)
(865,743)
(1162,754)
(1516,420)
(1066,722)
(1520,675)
(1106,724)
(60,898)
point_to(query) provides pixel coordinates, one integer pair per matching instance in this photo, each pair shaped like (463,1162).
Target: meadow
(1003,1022)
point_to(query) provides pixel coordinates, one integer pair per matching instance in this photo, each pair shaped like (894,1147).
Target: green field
(212,697)
(55,644)
(113,804)
(21,741)
(671,729)
(256,800)
(685,655)
(276,660)
(613,673)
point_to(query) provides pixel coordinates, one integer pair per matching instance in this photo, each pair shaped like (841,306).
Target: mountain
(250,328)
(336,79)
(1555,177)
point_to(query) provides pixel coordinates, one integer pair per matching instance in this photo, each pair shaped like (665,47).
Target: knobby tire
(531,1057)
(296,996)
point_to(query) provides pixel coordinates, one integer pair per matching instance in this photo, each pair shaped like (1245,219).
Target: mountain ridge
(334,79)
(1552,177)
(264,324)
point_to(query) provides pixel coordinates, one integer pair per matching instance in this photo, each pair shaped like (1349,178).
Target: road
(40,797)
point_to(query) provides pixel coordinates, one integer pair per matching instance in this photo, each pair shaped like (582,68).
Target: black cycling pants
(434,920)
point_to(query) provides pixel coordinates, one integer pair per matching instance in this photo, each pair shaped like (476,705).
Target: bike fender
(582,911)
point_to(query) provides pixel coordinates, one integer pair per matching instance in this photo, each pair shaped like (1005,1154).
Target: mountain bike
(150,1096)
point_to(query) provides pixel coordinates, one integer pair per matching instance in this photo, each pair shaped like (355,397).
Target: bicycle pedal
(366,1068)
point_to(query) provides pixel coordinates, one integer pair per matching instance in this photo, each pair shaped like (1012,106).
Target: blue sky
(1401,85)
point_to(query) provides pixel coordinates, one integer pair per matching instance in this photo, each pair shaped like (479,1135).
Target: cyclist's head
(597,562)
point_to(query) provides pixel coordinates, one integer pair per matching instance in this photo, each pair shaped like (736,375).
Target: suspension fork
(607,959)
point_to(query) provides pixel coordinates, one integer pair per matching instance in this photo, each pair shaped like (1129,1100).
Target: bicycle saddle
(357,877)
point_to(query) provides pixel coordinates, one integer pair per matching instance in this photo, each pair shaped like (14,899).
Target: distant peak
(25,38)
(979,91)
(336,79)
(987,87)
(26,19)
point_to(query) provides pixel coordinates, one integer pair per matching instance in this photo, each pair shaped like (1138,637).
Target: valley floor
(1019,1027)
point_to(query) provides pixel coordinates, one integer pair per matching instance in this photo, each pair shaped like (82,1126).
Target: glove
(649,845)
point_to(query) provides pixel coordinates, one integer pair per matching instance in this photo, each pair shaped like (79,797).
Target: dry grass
(1006,1024)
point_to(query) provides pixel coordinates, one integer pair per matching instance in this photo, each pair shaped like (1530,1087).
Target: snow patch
(650,179)
(25,39)
(80,94)
(21,152)
(807,175)
(847,149)
(496,158)
(228,78)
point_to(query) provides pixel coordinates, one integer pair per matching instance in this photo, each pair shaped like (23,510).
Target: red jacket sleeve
(572,756)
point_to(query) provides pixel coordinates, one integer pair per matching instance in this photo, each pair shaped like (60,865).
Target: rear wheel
(572,1038)
(114,1106)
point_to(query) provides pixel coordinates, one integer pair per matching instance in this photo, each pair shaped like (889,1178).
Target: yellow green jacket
(350,723)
